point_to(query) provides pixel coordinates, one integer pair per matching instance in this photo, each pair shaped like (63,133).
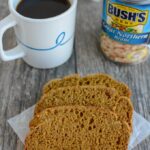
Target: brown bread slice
(79,128)
(93,79)
(123,111)
(88,96)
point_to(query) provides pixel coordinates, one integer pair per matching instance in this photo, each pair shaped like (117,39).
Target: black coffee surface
(40,9)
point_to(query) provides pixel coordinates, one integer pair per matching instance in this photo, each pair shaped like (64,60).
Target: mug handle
(14,53)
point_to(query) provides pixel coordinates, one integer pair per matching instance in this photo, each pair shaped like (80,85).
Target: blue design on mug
(59,42)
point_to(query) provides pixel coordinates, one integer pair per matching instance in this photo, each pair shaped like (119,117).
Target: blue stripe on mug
(59,42)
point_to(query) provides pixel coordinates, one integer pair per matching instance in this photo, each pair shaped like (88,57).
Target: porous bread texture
(78,95)
(79,128)
(107,81)
(71,80)
(87,96)
(124,110)
(93,79)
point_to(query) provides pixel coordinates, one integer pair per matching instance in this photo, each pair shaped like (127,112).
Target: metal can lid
(141,2)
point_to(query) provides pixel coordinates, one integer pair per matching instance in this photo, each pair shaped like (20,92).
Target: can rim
(143,2)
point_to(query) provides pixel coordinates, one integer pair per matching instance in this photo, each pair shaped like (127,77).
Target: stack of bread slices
(93,112)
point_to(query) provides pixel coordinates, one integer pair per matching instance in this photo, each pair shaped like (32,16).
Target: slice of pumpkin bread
(79,128)
(123,111)
(88,96)
(93,79)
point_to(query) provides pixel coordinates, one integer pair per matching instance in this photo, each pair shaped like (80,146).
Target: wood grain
(20,84)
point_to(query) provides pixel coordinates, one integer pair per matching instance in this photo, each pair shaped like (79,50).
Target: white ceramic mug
(42,43)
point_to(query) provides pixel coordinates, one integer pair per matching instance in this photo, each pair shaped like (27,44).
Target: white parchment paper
(20,125)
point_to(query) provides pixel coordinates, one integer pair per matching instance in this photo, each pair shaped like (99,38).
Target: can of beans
(125,35)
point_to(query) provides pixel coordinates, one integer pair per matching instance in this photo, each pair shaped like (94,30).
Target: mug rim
(27,19)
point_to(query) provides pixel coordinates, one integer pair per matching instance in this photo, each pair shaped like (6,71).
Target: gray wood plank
(91,60)
(20,87)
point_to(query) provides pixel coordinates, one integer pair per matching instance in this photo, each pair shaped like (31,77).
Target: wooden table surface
(20,84)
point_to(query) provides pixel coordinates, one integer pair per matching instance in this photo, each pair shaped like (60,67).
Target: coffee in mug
(40,9)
